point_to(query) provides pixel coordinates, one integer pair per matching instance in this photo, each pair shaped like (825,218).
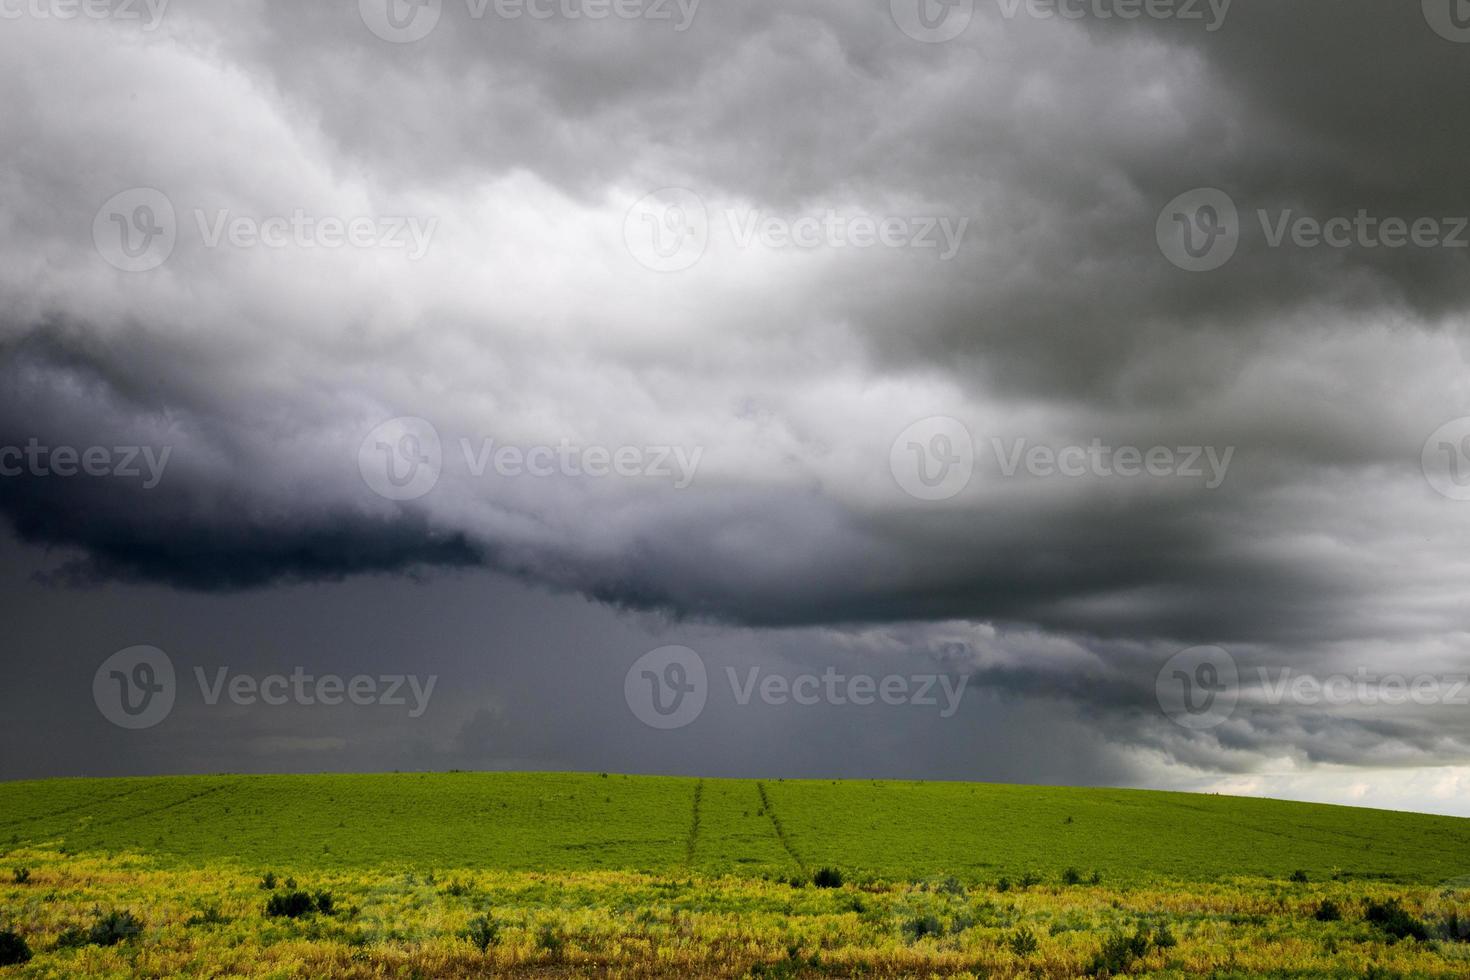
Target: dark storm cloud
(528,321)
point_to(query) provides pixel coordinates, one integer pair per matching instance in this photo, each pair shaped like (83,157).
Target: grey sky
(765,390)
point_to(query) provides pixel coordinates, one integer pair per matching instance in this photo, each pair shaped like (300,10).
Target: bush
(290,905)
(1118,953)
(1029,879)
(268,881)
(1299,876)
(13,949)
(1096,878)
(1392,919)
(71,938)
(20,875)
(1328,912)
(1023,942)
(924,925)
(484,932)
(114,927)
(1004,885)
(1071,877)
(827,878)
(209,916)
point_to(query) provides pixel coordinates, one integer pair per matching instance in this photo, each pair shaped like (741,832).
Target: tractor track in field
(167,806)
(760,788)
(9,824)
(693,840)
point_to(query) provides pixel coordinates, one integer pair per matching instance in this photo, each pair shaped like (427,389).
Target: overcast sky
(1112,365)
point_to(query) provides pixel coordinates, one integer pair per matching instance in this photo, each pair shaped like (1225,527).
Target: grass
(571,822)
(582,875)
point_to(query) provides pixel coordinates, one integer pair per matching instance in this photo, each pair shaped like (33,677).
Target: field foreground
(557,875)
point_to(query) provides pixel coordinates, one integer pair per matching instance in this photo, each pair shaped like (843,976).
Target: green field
(565,822)
(593,875)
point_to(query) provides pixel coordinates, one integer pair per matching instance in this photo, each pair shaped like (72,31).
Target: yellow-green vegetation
(554,875)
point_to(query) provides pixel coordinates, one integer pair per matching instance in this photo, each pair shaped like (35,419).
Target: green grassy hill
(565,822)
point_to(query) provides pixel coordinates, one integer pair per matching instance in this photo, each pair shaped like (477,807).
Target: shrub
(290,905)
(1096,878)
(550,940)
(457,889)
(1163,938)
(827,878)
(324,903)
(1299,876)
(1392,919)
(114,927)
(1071,877)
(209,916)
(1030,878)
(1004,885)
(71,938)
(1327,911)
(20,875)
(1023,942)
(952,886)
(921,926)
(484,932)
(13,949)
(1118,953)
(268,881)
